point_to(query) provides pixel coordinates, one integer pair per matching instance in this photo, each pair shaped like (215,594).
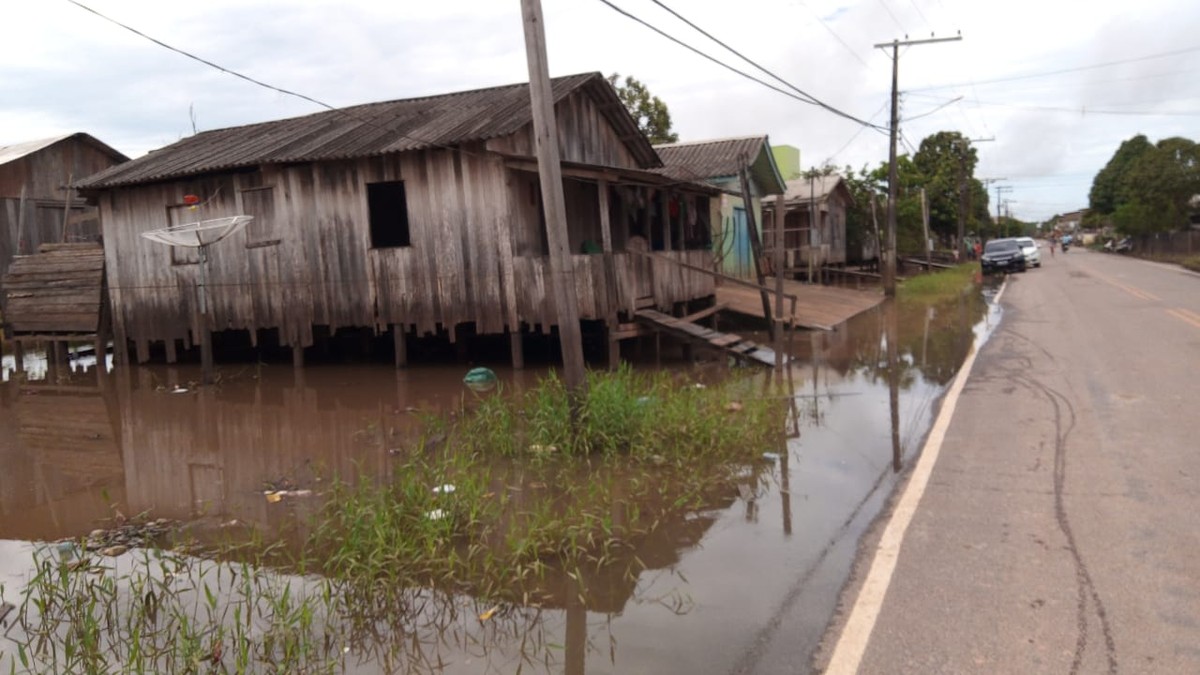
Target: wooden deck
(821,307)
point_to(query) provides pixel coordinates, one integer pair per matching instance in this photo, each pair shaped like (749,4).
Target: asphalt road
(1059,529)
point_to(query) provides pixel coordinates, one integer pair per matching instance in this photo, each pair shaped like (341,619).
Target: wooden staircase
(686,330)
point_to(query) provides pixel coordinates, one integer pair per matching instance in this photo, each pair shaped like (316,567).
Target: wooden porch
(819,307)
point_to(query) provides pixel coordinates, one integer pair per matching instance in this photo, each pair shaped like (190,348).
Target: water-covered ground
(78,449)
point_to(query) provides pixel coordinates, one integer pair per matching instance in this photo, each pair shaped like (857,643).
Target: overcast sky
(1057,83)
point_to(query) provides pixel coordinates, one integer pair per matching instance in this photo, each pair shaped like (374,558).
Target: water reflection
(713,590)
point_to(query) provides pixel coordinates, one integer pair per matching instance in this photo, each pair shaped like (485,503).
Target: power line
(804,98)
(747,59)
(845,145)
(923,17)
(835,35)
(894,19)
(1081,110)
(927,114)
(1064,71)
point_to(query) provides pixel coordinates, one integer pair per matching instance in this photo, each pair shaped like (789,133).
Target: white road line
(852,644)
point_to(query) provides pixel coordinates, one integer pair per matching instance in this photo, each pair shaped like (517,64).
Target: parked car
(1033,256)
(1002,255)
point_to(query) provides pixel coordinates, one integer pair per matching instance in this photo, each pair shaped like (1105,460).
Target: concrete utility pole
(889,270)
(562,272)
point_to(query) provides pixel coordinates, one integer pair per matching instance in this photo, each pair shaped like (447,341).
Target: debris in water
(480,379)
(771,456)
(543,449)
(273,497)
(179,390)
(114,551)
(734,406)
(436,514)
(444,489)
(489,614)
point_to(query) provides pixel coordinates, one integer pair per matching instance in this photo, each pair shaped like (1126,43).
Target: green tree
(1148,188)
(653,118)
(1107,194)
(945,161)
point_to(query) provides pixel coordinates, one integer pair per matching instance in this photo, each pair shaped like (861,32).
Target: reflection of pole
(893,359)
(576,631)
(204,336)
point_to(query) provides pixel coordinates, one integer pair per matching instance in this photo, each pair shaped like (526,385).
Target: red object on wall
(191,200)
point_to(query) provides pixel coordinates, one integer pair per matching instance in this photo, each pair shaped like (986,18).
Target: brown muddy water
(745,586)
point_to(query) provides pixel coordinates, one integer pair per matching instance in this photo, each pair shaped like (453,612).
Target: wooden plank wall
(476,253)
(57,291)
(43,174)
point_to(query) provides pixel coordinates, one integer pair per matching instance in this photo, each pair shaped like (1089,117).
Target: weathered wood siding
(584,136)
(58,291)
(26,225)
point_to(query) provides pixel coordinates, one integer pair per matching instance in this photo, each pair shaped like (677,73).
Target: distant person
(978,249)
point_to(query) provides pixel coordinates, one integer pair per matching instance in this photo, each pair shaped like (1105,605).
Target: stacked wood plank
(57,292)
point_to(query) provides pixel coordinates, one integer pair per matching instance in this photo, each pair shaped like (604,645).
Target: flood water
(747,586)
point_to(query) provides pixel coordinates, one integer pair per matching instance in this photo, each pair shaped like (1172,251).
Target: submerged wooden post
(400,342)
(516,345)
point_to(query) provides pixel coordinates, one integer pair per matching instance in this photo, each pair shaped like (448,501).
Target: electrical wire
(835,34)
(804,98)
(1063,71)
(747,59)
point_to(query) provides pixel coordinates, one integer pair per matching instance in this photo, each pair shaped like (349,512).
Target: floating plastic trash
(480,379)
(436,514)
(446,489)
(771,456)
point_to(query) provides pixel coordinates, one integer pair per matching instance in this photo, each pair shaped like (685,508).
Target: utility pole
(925,229)
(562,272)
(964,199)
(987,182)
(889,270)
(1000,218)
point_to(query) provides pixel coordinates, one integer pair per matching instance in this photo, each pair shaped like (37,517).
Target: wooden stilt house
(417,215)
(815,222)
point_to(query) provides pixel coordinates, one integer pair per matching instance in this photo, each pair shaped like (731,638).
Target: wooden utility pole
(780,216)
(562,272)
(925,228)
(889,271)
(756,244)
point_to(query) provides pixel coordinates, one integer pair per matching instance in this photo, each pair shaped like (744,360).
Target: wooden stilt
(614,345)
(19,355)
(462,344)
(657,349)
(516,343)
(172,356)
(400,341)
(297,356)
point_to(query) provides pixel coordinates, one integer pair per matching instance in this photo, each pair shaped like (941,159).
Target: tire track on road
(1085,585)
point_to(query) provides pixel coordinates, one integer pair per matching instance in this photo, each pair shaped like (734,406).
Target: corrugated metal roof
(802,190)
(9,153)
(716,159)
(367,130)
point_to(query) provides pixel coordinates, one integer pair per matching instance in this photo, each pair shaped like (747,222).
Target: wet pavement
(747,586)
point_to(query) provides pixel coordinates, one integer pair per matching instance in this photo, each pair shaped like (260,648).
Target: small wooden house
(36,207)
(721,163)
(419,216)
(814,222)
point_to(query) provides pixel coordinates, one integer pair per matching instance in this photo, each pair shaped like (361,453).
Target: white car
(1033,256)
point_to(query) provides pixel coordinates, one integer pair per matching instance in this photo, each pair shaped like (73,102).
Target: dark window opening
(388,208)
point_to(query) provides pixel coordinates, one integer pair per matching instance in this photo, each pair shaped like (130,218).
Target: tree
(653,118)
(1106,193)
(1148,188)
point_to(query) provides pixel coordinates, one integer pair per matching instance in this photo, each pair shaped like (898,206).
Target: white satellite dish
(200,233)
